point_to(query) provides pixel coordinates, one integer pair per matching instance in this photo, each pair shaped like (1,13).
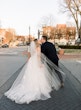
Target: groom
(49,50)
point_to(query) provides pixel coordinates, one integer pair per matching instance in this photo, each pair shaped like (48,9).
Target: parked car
(5,46)
(21,44)
(78,41)
(57,48)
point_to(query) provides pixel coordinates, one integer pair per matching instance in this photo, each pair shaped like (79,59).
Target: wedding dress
(34,81)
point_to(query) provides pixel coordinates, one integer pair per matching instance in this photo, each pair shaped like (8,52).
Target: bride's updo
(36,42)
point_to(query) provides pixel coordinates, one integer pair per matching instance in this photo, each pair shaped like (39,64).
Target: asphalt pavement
(67,98)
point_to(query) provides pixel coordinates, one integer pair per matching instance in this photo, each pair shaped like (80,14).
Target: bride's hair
(36,42)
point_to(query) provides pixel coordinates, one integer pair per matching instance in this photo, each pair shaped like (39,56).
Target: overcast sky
(20,14)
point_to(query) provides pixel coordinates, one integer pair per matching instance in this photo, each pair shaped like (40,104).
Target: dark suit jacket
(49,50)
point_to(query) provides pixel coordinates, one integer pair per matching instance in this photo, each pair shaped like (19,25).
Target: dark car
(5,46)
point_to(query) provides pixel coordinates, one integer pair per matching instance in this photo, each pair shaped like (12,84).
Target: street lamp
(29,34)
(80,29)
(78,41)
(39,33)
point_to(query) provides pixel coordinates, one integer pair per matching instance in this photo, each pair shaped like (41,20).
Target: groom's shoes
(62,85)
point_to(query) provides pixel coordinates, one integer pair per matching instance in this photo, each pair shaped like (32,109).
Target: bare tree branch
(73,7)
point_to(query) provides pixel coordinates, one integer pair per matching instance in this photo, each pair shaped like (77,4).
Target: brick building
(7,35)
(61,33)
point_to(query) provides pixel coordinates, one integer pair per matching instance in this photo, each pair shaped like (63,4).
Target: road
(68,98)
(11,59)
(74,66)
(13,51)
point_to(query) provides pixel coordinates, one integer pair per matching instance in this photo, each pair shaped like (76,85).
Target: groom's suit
(49,50)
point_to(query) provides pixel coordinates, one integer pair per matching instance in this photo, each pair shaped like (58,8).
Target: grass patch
(72,50)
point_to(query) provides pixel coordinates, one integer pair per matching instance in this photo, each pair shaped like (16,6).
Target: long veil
(46,62)
(21,74)
(52,68)
(32,48)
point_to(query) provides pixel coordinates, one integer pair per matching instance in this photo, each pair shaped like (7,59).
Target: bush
(70,47)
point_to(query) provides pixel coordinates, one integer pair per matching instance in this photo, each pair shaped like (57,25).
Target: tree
(10,34)
(46,22)
(73,8)
(0,24)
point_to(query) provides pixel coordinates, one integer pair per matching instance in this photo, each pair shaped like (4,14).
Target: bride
(35,82)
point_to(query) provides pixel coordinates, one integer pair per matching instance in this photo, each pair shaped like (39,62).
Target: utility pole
(38,33)
(80,28)
(29,34)
(0,23)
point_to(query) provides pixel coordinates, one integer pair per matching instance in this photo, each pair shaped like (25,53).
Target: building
(7,35)
(61,33)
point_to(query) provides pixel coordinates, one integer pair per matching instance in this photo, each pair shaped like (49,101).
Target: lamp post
(80,29)
(79,34)
(38,33)
(29,34)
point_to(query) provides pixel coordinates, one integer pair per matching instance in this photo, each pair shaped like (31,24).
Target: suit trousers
(57,72)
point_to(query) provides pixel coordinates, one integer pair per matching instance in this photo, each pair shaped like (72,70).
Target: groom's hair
(35,40)
(45,38)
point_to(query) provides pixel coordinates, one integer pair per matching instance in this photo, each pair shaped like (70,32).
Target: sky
(20,14)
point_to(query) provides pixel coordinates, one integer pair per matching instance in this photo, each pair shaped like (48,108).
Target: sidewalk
(74,60)
(67,98)
(72,56)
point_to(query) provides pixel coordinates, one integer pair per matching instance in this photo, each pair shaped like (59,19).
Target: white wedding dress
(34,81)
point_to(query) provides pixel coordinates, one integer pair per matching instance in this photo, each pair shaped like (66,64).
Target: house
(61,33)
(7,35)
